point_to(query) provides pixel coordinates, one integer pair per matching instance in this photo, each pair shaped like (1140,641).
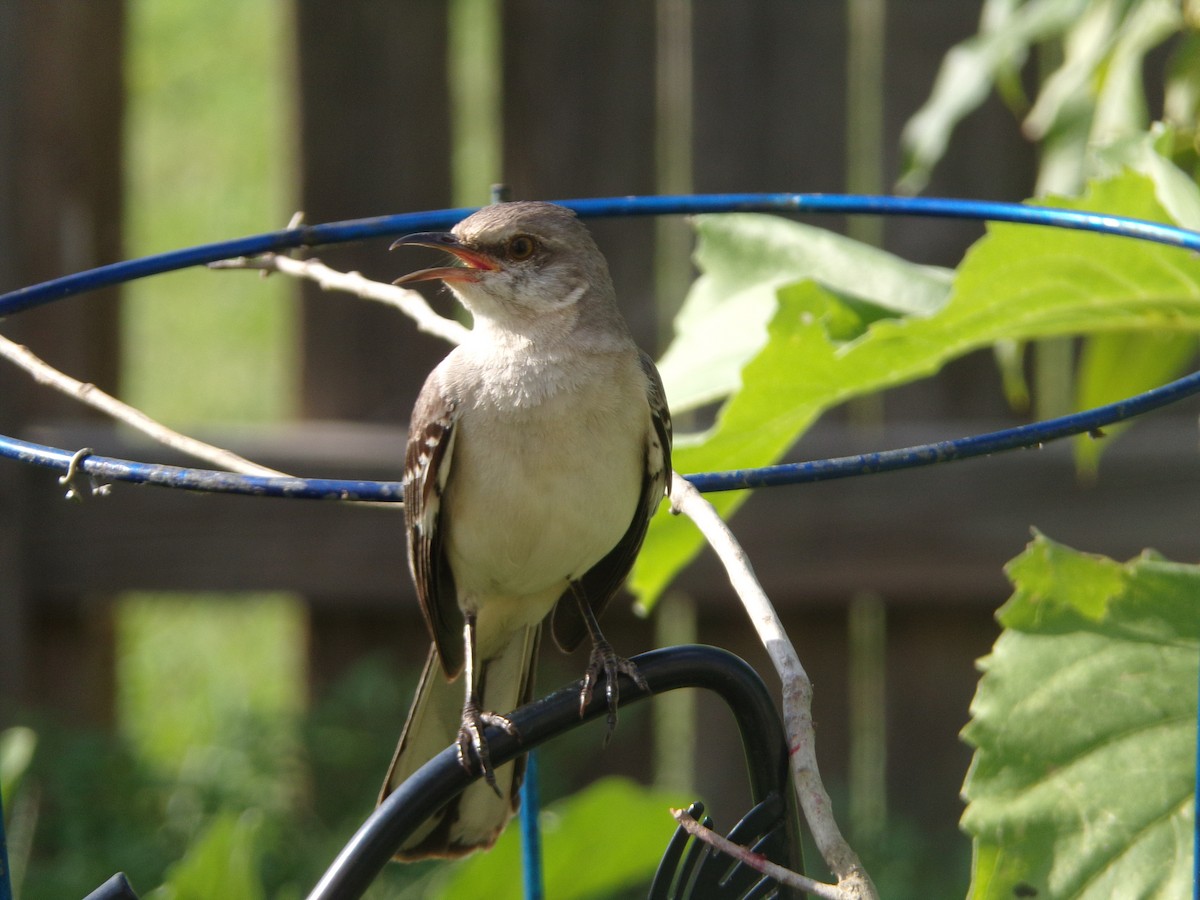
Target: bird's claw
(470,737)
(605,661)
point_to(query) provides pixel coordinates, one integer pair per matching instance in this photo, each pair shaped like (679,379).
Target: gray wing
(427,461)
(602,580)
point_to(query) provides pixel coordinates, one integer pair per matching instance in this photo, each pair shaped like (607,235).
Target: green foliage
(1093,52)
(18,808)
(1017,283)
(1114,366)
(1090,117)
(223,862)
(746,259)
(287,787)
(626,825)
(1009,29)
(1085,728)
(16,752)
(164,669)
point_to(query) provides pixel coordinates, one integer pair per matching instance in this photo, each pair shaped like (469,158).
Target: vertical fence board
(60,162)
(769,95)
(375,139)
(579,122)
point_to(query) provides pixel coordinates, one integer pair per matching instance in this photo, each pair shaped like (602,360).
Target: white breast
(540,491)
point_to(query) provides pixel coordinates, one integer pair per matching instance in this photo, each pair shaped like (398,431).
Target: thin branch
(853,880)
(89,394)
(409,302)
(757,861)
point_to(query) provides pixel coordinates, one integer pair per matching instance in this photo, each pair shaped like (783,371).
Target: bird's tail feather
(474,819)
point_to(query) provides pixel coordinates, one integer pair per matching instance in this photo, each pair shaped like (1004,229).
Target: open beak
(474,262)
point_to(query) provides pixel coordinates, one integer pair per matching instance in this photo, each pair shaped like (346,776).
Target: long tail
(474,819)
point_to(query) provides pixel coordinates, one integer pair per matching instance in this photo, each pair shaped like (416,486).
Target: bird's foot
(605,661)
(470,737)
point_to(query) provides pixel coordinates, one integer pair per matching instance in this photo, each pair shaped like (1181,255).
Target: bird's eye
(521,247)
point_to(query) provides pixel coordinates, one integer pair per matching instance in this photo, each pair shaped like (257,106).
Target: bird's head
(518,263)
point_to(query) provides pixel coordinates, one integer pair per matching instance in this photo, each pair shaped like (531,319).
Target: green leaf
(223,862)
(1120,365)
(1115,366)
(1086,44)
(614,819)
(16,753)
(1121,102)
(746,259)
(1082,783)
(968,72)
(1148,154)
(1017,283)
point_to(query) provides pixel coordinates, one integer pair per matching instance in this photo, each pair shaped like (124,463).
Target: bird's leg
(604,660)
(474,720)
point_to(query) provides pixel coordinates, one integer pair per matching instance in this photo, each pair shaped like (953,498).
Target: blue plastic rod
(531,831)
(5,875)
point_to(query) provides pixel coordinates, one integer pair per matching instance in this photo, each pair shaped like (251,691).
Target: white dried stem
(853,880)
(409,302)
(92,396)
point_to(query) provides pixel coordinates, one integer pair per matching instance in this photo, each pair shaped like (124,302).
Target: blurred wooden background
(583,101)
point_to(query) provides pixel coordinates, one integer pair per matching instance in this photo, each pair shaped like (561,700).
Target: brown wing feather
(427,461)
(602,580)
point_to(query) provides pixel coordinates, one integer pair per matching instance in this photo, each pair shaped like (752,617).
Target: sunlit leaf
(1017,283)
(1121,102)
(1084,725)
(1086,44)
(969,71)
(745,260)
(1148,154)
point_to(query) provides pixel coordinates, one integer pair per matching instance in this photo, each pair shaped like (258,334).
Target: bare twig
(411,303)
(853,880)
(757,861)
(89,394)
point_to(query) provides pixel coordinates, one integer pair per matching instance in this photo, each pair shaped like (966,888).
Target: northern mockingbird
(538,451)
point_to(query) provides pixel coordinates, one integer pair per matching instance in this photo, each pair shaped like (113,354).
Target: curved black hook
(442,778)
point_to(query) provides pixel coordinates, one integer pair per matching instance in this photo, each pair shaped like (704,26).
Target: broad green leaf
(1084,726)
(1017,283)
(746,259)
(614,820)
